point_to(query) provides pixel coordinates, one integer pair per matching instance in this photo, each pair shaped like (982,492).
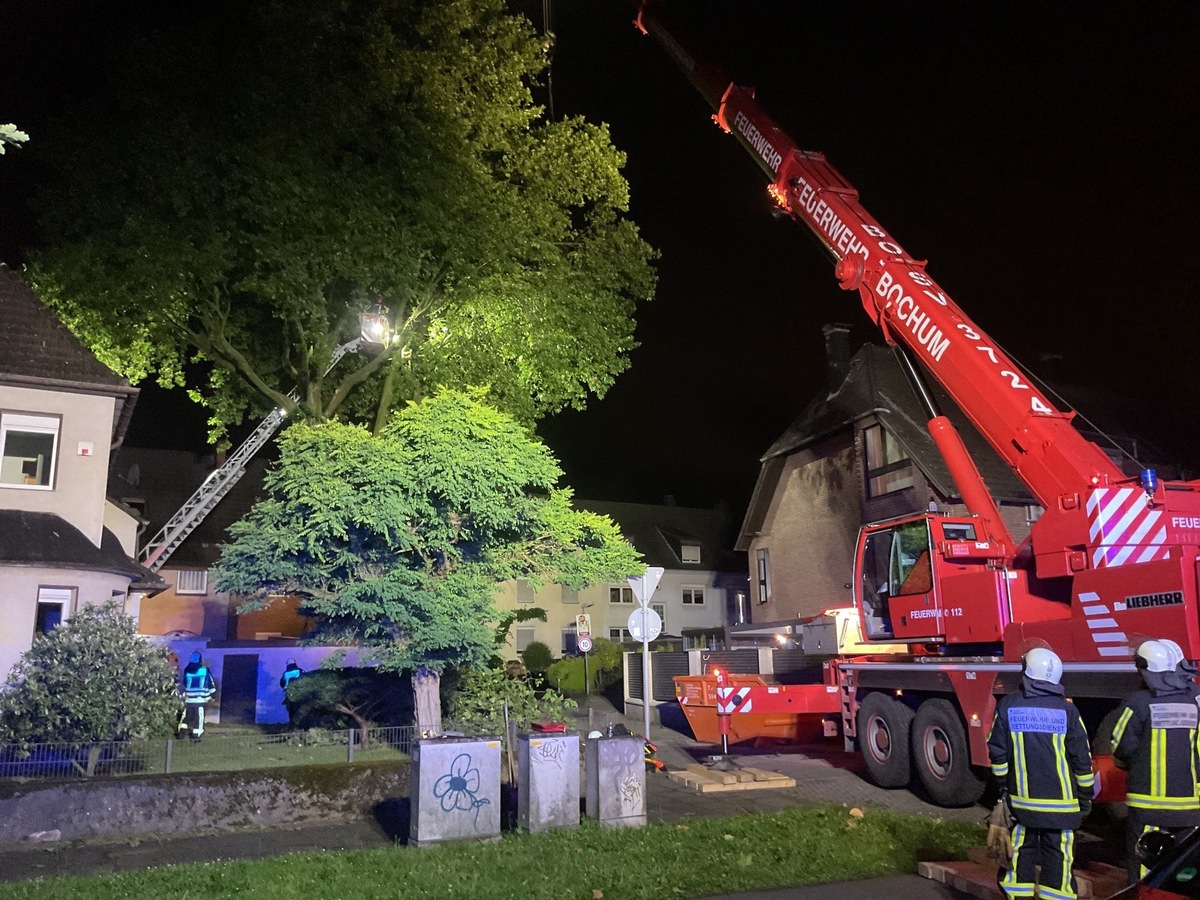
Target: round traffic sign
(585,644)
(644,624)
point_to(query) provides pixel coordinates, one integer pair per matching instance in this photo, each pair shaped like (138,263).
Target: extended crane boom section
(1038,441)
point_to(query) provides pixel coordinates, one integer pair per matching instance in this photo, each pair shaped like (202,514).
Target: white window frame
(693,595)
(763,568)
(30,424)
(661,609)
(192,581)
(620,594)
(689,552)
(619,634)
(62,597)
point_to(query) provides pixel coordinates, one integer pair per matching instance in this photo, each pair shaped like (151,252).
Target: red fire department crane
(1111,561)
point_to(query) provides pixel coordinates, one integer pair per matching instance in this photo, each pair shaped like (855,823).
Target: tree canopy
(398,541)
(245,182)
(93,678)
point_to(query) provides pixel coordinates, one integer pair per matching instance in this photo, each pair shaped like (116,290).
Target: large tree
(398,541)
(249,177)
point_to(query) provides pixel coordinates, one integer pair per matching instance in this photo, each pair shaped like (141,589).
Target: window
(888,468)
(524,591)
(29,445)
(524,638)
(569,645)
(192,581)
(661,609)
(569,595)
(693,596)
(619,634)
(620,595)
(689,553)
(52,608)
(764,573)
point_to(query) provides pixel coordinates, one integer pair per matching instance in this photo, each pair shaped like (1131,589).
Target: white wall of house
(22,587)
(80,467)
(123,526)
(686,599)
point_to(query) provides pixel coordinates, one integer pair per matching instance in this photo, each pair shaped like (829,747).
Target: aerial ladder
(155,553)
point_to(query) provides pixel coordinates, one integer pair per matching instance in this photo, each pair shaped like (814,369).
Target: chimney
(837,355)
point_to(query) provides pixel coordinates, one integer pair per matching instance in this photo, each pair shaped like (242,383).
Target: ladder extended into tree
(159,548)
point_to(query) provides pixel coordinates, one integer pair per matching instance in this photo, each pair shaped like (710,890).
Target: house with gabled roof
(860,452)
(701,591)
(63,543)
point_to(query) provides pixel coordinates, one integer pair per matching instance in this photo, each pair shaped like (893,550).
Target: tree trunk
(428,699)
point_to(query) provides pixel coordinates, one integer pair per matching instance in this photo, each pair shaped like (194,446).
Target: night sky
(1041,156)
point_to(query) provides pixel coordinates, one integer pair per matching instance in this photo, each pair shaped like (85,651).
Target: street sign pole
(644,586)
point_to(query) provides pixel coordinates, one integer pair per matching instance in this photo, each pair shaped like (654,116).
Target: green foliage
(537,657)
(397,542)
(477,707)
(91,679)
(566,675)
(281,165)
(702,857)
(10,135)
(511,617)
(604,667)
(333,698)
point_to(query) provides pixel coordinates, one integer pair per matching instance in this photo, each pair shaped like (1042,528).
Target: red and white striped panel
(1123,529)
(731,700)
(1106,634)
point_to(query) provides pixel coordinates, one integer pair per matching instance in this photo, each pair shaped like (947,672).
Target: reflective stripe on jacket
(1156,738)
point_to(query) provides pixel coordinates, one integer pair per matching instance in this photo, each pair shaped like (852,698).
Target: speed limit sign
(585,644)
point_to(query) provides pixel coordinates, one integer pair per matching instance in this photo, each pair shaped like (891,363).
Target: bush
(93,678)
(341,698)
(478,705)
(566,675)
(537,657)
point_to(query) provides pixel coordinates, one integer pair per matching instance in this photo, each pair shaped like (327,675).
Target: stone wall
(171,804)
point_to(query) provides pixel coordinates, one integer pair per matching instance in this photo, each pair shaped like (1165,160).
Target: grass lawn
(805,845)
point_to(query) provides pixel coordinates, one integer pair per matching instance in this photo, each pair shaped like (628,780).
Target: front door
(239,689)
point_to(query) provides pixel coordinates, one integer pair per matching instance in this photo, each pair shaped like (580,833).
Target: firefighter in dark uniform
(1155,740)
(1039,753)
(198,689)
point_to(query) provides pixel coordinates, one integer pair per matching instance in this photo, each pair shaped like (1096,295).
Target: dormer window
(689,552)
(28,445)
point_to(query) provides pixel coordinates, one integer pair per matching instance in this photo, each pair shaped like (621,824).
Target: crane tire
(942,756)
(884,729)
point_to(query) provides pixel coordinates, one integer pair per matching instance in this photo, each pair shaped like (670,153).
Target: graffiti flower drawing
(458,788)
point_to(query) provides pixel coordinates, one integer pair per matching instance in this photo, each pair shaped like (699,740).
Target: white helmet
(1154,656)
(1174,649)
(1042,664)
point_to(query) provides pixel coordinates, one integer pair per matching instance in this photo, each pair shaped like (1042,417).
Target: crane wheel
(884,733)
(942,756)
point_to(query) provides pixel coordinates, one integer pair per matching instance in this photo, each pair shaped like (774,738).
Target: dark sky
(1041,156)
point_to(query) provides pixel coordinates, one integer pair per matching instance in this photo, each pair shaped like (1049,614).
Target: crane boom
(1038,441)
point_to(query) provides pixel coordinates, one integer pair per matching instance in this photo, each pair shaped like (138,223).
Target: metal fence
(217,751)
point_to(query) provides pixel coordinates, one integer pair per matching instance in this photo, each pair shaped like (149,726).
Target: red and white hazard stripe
(1106,634)
(1123,528)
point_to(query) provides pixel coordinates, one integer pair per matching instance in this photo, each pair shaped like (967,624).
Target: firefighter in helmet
(1040,756)
(1155,740)
(198,689)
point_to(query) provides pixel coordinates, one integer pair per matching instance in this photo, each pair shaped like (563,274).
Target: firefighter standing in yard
(1155,738)
(198,689)
(1039,753)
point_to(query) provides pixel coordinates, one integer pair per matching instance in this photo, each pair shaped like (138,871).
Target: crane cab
(930,579)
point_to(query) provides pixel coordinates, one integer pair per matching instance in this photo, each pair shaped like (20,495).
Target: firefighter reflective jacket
(1039,752)
(198,684)
(1156,739)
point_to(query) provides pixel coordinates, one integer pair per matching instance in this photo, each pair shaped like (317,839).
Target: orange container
(777,712)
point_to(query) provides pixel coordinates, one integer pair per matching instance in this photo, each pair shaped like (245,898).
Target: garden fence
(217,751)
